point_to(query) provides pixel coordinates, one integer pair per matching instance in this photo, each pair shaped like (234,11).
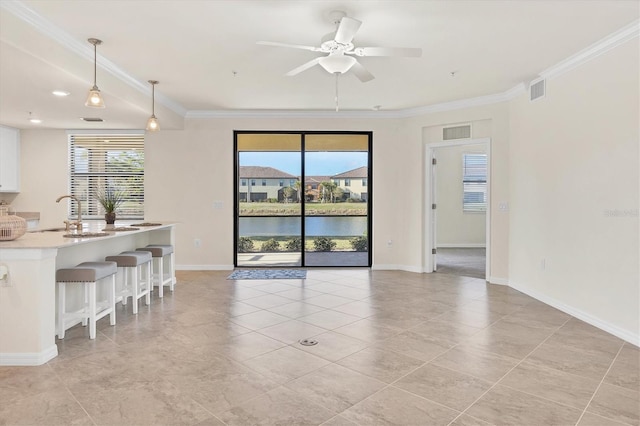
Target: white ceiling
(205,56)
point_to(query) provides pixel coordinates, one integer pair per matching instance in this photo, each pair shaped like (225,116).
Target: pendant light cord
(95,63)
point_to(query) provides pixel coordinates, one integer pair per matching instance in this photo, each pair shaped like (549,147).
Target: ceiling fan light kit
(94,98)
(341,51)
(337,63)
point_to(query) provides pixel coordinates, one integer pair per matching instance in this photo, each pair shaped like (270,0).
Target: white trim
(625,335)
(105,132)
(391,267)
(29,358)
(498,280)
(429,242)
(609,42)
(462,245)
(84,50)
(204,267)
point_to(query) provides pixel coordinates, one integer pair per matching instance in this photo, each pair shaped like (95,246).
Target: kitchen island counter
(28,294)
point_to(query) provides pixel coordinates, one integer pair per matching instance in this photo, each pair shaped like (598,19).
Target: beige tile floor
(395,348)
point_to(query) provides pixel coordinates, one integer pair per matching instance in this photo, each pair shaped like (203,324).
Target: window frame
(470,160)
(90,170)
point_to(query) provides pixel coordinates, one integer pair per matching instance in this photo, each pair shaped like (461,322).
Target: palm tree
(328,189)
(298,186)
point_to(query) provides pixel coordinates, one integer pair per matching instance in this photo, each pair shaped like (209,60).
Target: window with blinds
(474,182)
(110,162)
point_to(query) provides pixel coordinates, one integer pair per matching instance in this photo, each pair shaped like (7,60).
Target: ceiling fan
(341,51)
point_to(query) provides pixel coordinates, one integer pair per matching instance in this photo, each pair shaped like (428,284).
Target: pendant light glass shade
(94,98)
(152,122)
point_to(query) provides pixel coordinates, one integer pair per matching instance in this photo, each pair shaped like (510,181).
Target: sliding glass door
(302,199)
(336,205)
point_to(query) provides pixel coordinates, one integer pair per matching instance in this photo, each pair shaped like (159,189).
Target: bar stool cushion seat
(158,250)
(130,258)
(87,272)
(162,276)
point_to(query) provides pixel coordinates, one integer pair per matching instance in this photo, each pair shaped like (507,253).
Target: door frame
(303,134)
(430,188)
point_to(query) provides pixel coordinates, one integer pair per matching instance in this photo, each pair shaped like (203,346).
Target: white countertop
(42,239)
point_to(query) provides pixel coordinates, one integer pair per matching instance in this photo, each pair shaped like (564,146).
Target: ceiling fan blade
(295,46)
(346,30)
(388,51)
(303,67)
(361,72)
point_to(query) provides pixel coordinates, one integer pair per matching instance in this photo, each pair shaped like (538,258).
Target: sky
(315,163)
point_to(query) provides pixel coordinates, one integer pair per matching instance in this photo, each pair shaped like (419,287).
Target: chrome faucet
(78,223)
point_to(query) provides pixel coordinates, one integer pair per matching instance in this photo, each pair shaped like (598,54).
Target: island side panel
(27,307)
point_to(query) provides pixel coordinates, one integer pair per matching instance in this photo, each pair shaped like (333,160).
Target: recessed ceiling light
(60,93)
(33,119)
(92,119)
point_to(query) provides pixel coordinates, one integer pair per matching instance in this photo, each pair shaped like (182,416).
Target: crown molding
(82,49)
(271,114)
(402,113)
(609,42)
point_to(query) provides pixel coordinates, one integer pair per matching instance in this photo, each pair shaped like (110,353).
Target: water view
(332,226)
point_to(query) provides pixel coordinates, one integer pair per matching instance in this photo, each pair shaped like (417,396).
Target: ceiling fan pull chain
(337,74)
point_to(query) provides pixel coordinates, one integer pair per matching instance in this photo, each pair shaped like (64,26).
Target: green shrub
(245,244)
(359,243)
(270,246)
(294,244)
(272,200)
(324,244)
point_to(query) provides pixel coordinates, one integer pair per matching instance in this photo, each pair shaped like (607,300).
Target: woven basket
(11,226)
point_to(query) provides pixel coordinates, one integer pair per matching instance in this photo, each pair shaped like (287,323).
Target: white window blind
(474,182)
(107,162)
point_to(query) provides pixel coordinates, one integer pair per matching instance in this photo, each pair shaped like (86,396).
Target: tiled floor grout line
(600,384)
(73,395)
(510,370)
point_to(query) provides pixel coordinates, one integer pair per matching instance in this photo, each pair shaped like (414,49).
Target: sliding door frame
(303,134)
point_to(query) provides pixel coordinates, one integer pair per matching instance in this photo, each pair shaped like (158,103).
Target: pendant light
(152,123)
(94,99)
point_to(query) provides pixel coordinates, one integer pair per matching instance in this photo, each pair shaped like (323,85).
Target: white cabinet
(9,159)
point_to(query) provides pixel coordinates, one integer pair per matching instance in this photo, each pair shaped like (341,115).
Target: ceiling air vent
(92,119)
(457,132)
(537,90)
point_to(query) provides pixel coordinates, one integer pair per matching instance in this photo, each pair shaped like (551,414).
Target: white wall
(456,228)
(186,171)
(574,160)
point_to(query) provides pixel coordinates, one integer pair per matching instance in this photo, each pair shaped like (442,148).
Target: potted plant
(110,200)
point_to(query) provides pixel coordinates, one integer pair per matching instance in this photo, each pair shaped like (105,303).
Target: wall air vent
(457,132)
(537,90)
(92,119)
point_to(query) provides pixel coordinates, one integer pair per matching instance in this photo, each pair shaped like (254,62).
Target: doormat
(268,274)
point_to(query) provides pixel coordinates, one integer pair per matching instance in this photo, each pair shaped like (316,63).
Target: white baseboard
(625,335)
(462,245)
(30,358)
(391,267)
(204,267)
(498,280)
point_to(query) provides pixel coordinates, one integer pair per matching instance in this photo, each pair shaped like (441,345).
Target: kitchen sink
(38,231)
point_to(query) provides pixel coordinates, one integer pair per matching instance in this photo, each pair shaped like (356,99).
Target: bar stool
(160,253)
(87,274)
(132,263)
